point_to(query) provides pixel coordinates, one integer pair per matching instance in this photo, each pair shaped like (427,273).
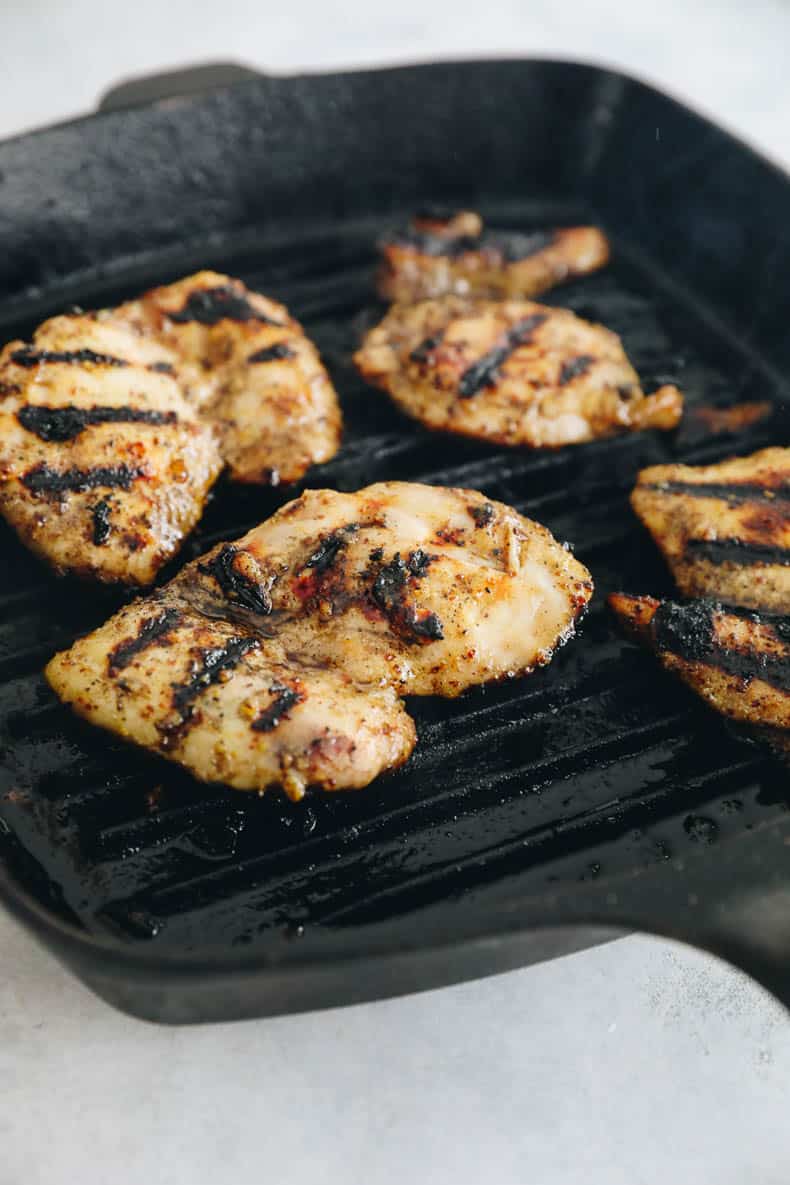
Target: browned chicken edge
(737,660)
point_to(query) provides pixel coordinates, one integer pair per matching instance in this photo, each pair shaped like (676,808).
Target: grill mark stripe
(574,368)
(389,591)
(330,547)
(484,372)
(276,353)
(42,481)
(509,248)
(736,551)
(60,424)
(208,670)
(209,306)
(735,493)
(151,632)
(29,357)
(236,586)
(285,699)
(101,522)
(514,247)
(688,631)
(423,351)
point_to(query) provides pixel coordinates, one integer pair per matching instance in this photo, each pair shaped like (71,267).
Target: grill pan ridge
(535,815)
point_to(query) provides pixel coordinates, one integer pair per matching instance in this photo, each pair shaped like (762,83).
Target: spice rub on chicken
(115,424)
(724,529)
(738,661)
(442,251)
(281,658)
(513,372)
(104,464)
(227,702)
(427,588)
(248,368)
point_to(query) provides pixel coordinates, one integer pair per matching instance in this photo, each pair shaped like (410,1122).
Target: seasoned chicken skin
(724,529)
(280,658)
(426,588)
(229,703)
(245,364)
(104,463)
(513,372)
(737,661)
(115,424)
(444,252)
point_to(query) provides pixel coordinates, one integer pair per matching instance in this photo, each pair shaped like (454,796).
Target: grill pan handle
(173,84)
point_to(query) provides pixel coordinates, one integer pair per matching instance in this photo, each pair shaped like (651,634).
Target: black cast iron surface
(596,793)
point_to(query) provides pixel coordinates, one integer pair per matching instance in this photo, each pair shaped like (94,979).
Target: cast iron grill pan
(595,791)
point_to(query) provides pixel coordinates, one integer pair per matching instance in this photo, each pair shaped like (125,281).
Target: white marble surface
(634,1063)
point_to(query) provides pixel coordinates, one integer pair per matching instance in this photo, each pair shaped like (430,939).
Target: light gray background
(632,1064)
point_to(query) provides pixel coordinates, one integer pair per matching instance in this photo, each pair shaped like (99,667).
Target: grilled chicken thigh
(739,662)
(513,372)
(443,252)
(426,588)
(104,464)
(115,424)
(247,366)
(724,529)
(281,658)
(229,703)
